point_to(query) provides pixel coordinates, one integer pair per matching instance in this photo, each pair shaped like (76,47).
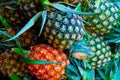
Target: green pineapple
(101,52)
(62,29)
(10,63)
(105,20)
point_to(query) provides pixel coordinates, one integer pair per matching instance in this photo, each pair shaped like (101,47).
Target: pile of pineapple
(60,40)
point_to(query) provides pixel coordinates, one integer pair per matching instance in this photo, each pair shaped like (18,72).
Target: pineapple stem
(45,3)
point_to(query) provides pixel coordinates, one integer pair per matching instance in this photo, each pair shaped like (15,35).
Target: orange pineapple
(48,71)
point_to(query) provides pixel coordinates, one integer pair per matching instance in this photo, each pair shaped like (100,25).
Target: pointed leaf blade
(44,15)
(14,77)
(101,73)
(20,51)
(27,26)
(65,9)
(30,61)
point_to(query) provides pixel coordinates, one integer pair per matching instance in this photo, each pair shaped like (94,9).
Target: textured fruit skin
(48,71)
(101,50)
(13,16)
(10,63)
(105,21)
(30,7)
(63,29)
(28,39)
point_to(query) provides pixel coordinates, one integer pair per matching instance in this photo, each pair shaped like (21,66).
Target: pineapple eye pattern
(106,20)
(101,50)
(69,28)
(48,71)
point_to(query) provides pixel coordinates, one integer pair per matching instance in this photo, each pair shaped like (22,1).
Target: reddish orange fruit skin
(48,71)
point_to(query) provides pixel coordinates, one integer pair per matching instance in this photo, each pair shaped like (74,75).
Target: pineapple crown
(79,70)
(80,47)
(110,71)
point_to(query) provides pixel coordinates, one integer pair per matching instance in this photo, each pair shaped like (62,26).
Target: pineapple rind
(105,21)
(62,29)
(11,64)
(101,50)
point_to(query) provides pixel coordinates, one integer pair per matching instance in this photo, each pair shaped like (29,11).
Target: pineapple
(100,49)
(105,20)
(62,29)
(10,63)
(48,71)
(30,7)
(13,14)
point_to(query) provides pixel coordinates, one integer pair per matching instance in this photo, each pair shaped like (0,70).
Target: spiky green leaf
(21,52)
(72,69)
(9,45)
(14,77)
(77,69)
(27,26)
(30,61)
(4,22)
(65,9)
(4,33)
(44,16)
(102,74)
